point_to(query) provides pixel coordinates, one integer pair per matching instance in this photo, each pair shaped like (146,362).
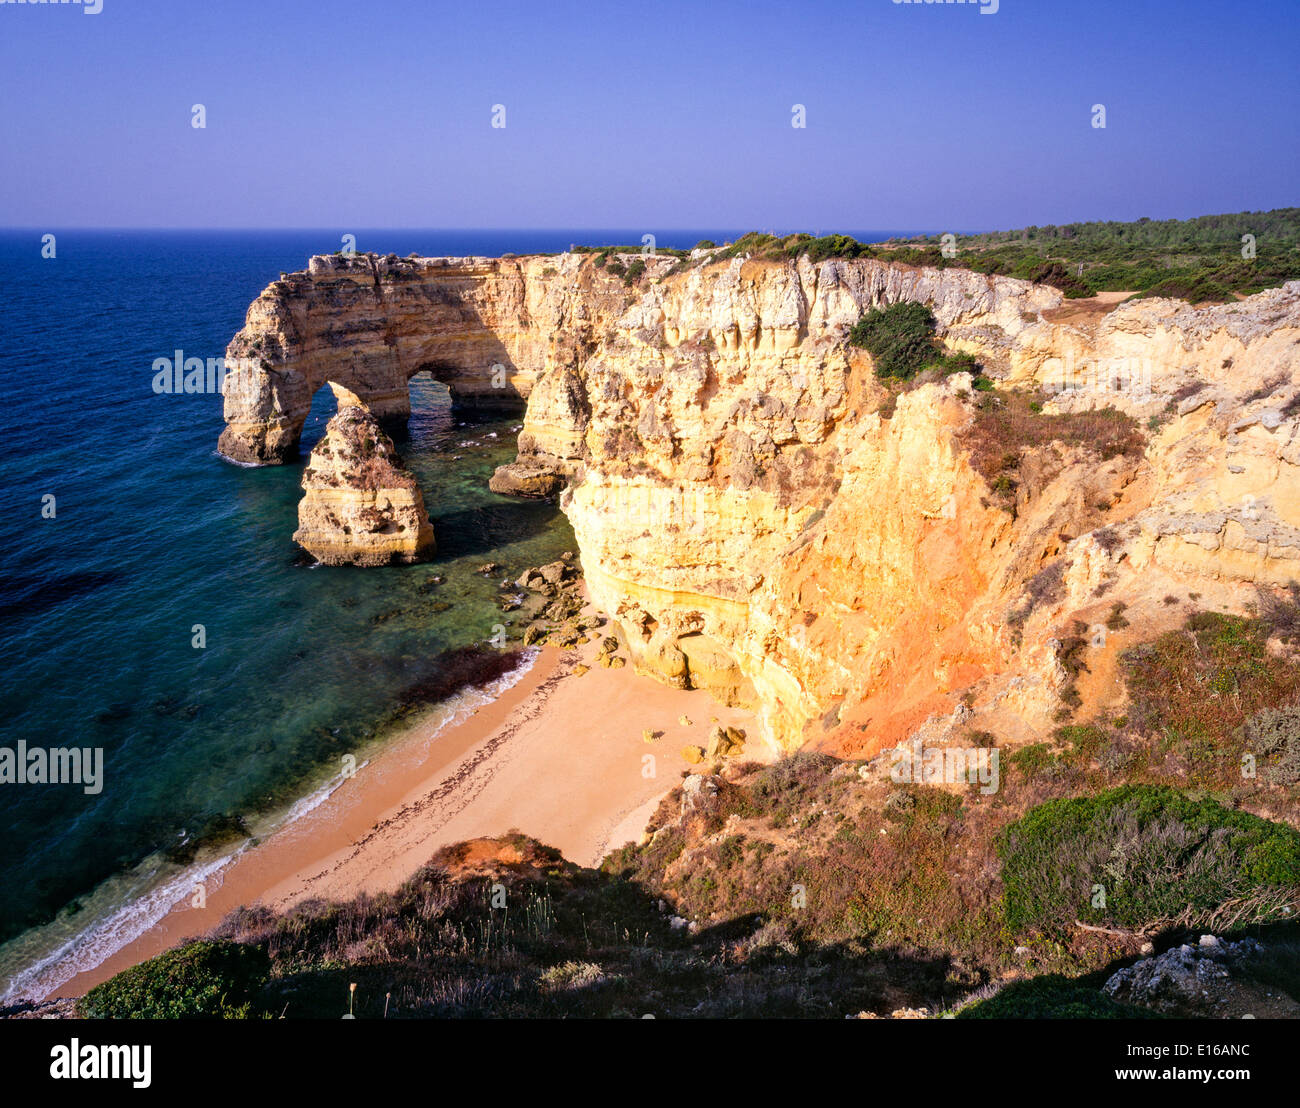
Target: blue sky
(654,114)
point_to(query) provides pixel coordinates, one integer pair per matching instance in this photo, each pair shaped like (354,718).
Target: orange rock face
(761,526)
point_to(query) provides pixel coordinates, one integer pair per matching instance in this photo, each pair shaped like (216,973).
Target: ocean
(124,532)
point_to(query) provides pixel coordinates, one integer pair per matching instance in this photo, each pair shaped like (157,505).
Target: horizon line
(335,227)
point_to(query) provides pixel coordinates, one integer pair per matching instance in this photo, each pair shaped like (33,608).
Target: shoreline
(535,758)
(153,897)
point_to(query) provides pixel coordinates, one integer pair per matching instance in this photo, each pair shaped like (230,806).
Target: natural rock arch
(371,324)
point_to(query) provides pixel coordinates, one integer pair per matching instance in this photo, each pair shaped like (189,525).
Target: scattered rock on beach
(553,572)
(725,742)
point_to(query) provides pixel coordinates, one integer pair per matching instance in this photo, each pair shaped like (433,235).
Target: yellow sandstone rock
(360,505)
(758,525)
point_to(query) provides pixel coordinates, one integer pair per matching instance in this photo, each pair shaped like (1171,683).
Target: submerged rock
(361,506)
(526,479)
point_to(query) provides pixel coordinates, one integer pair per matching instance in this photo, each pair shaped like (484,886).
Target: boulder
(718,743)
(698,791)
(553,572)
(526,479)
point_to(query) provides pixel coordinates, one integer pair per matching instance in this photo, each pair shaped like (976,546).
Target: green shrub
(212,980)
(1032,761)
(1194,289)
(829,246)
(1052,997)
(1156,853)
(948,364)
(900,338)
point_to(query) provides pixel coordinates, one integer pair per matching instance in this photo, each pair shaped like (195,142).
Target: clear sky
(368,113)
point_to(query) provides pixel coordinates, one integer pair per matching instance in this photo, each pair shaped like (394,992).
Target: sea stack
(361,505)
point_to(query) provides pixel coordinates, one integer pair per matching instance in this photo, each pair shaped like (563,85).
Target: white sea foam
(236,462)
(92,945)
(132,904)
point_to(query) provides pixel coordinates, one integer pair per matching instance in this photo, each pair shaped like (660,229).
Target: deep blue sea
(152,533)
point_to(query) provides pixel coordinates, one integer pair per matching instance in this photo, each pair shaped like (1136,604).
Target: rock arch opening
(324,406)
(373,325)
(433,407)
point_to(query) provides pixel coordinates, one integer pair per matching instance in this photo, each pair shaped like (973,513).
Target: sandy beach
(560,756)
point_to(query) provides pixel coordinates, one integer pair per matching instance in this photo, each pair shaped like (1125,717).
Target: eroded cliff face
(486,327)
(743,502)
(759,526)
(360,504)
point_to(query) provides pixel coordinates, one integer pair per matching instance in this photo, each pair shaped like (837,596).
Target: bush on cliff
(1139,856)
(1007,423)
(200,980)
(900,338)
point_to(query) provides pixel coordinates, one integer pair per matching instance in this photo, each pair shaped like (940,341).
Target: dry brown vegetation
(1008,423)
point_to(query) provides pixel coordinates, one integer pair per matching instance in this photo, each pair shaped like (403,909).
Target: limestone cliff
(760,526)
(360,505)
(486,327)
(741,495)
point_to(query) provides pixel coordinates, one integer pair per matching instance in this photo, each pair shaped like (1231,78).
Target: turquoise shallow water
(154,533)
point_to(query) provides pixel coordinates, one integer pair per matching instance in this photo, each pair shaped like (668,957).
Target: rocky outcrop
(1211,979)
(760,526)
(360,505)
(488,328)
